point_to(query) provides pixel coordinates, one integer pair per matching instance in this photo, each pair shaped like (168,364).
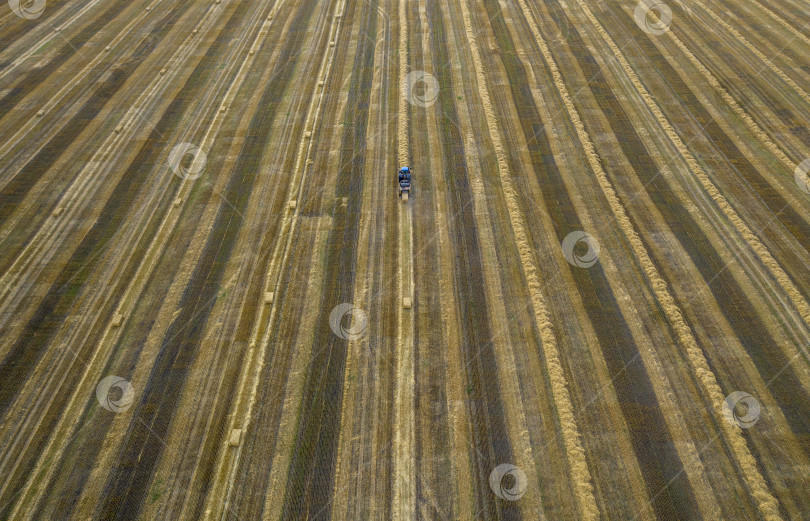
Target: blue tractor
(404,182)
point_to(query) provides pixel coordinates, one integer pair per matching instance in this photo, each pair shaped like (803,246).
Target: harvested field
(594,303)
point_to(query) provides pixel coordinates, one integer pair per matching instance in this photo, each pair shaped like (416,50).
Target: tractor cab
(404,182)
